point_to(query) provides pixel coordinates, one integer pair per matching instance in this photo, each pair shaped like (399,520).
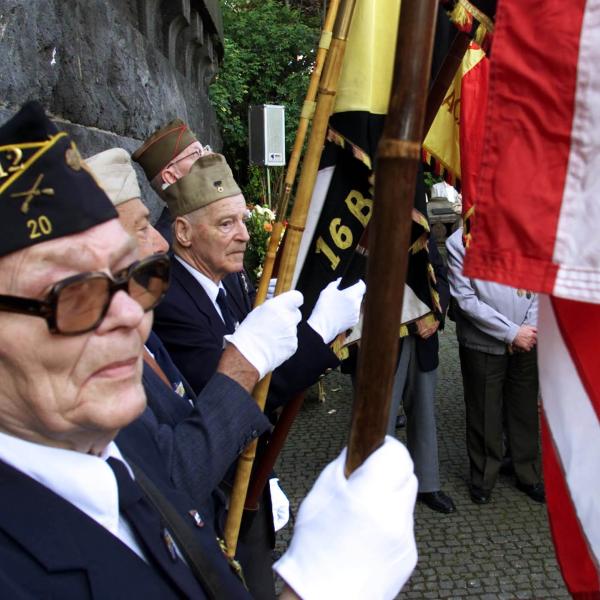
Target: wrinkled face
(219,237)
(180,166)
(77,391)
(134,217)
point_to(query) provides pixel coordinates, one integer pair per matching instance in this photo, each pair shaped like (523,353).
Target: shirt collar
(84,480)
(209,286)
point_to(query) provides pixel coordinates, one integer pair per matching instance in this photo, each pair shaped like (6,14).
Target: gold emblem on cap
(218,185)
(32,193)
(73,158)
(17,161)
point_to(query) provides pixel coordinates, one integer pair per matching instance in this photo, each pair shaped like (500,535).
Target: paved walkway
(500,550)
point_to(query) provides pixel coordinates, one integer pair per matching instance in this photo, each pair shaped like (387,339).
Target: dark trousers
(491,382)
(255,550)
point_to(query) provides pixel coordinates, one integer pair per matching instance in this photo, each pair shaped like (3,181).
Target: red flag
(472,127)
(537,227)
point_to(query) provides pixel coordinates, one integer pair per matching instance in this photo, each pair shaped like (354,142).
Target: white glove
(280,504)
(271,288)
(336,310)
(268,335)
(354,537)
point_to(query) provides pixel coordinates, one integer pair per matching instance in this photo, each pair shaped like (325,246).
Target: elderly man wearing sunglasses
(87,509)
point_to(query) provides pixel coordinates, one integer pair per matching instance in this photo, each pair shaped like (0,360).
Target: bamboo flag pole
(306,116)
(310,166)
(325,102)
(398,155)
(436,95)
(308,108)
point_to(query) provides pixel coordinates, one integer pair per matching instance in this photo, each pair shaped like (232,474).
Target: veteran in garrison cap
(209,242)
(166,156)
(204,305)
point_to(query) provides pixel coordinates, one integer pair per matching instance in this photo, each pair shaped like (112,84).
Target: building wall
(112,71)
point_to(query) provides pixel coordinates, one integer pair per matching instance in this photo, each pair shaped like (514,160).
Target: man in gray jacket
(497,335)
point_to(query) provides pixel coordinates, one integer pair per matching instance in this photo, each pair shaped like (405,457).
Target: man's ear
(182,231)
(168,175)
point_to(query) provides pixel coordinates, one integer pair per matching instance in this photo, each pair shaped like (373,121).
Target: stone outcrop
(112,71)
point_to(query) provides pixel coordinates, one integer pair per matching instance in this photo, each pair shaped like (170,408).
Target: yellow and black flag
(342,200)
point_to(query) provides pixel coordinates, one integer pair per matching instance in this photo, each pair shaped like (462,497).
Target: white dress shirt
(84,480)
(208,285)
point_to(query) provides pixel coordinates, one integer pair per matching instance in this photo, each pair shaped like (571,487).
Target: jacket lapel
(238,297)
(62,539)
(186,284)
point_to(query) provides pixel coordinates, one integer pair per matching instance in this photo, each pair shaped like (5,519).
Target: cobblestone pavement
(500,550)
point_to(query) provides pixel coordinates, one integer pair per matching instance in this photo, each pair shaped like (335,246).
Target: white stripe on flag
(316,206)
(573,423)
(577,247)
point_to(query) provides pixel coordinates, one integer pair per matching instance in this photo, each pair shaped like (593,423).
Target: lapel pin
(197,518)
(170,544)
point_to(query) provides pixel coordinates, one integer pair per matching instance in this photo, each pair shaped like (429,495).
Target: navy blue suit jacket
(50,549)
(200,437)
(192,330)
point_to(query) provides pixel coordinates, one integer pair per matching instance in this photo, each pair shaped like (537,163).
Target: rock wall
(112,71)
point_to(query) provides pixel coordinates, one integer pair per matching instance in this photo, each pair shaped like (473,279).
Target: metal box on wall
(266,130)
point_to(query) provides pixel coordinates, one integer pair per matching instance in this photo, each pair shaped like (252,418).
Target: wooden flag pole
(306,116)
(310,165)
(398,155)
(308,108)
(325,102)
(444,77)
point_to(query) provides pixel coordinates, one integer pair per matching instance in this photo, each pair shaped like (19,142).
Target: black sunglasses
(79,303)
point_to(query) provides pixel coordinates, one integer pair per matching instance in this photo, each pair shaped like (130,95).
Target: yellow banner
(443,139)
(366,77)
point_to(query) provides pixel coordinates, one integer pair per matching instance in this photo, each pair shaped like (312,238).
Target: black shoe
(534,490)
(438,501)
(400,421)
(479,495)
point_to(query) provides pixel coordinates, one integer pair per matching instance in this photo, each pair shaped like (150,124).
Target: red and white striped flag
(538,227)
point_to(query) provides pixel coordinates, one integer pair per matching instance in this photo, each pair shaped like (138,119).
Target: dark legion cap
(162,147)
(46,190)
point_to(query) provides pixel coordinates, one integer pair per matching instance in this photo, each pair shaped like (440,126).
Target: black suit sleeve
(191,339)
(199,448)
(311,360)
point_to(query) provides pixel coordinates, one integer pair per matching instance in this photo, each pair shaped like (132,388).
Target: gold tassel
(460,15)
(481,34)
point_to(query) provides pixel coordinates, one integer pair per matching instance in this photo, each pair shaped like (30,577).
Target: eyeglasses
(195,155)
(79,303)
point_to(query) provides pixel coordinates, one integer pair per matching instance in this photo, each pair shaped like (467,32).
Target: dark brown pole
(264,466)
(398,155)
(444,77)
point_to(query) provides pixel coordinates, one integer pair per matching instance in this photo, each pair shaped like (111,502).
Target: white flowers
(264,211)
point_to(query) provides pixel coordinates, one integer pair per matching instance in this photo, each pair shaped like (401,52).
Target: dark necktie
(227,316)
(152,536)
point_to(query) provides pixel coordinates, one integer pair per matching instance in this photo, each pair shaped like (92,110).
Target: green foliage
(430,179)
(269,53)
